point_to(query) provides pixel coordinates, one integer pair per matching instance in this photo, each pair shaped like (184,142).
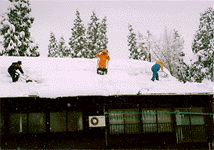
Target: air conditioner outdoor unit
(97,121)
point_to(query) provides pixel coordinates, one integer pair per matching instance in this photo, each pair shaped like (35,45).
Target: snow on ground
(77,77)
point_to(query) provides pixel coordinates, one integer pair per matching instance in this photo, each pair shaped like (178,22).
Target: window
(116,121)
(128,121)
(131,120)
(37,122)
(156,120)
(124,121)
(75,121)
(57,121)
(190,125)
(164,120)
(149,121)
(18,123)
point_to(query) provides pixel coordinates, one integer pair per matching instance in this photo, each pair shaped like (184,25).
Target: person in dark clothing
(12,70)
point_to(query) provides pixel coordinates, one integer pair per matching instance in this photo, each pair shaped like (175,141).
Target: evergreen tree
(143,47)
(1,49)
(93,36)
(132,43)
(16,24)
(53,46)
(179,67)
(67,52)
(103,40)
(62,48)
(203,47)
(78,39)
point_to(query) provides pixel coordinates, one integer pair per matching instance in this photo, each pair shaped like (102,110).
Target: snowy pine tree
(1,49)
(15,30)
(203,47)
(62,48)
(53,46)
(93,36)
(180,68)
(103,40)
(143,48)
(67,52)
(132,43)
(78,39)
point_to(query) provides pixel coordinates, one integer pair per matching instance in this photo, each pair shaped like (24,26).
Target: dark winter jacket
(14,67)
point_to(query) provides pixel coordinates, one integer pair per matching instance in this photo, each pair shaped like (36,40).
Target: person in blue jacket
(155,68)
(12,70)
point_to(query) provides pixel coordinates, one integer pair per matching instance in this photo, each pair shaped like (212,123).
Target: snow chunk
(7,23)
(22,34)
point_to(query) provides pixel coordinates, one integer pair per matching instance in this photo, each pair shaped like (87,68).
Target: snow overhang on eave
(120,95)
(145,94)
(208,93)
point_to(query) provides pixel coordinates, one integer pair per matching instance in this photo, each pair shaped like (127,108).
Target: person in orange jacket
(155,68)
(103,57)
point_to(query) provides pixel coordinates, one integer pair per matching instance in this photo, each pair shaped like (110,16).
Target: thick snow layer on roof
(61,77)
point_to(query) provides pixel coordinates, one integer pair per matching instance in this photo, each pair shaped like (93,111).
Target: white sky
(58,17)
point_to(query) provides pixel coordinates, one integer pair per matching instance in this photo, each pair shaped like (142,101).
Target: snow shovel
(25,77)
(165,74)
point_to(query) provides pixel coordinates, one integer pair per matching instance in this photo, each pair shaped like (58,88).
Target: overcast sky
(58,16)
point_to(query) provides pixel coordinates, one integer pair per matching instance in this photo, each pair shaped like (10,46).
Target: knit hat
(19,62)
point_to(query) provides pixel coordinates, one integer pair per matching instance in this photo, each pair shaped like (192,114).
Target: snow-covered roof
(62,77)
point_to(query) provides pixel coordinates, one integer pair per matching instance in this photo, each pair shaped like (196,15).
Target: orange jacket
(103,58)
(160,63)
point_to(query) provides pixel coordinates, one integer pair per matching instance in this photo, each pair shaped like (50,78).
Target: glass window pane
(37,123)
(164,116)
(148,116)
(131,119)
(164,127)
(116,116)
(149,127)
(57,121)
(149,120)
(131,116)
(164,120)
(182,119)
(18,123)
(197,119)
(75,121)
(116,121)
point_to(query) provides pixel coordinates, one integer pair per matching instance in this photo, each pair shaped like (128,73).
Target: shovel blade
(29,81)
